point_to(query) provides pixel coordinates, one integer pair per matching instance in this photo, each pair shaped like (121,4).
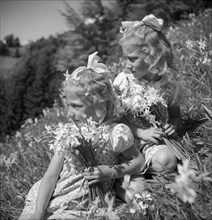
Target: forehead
(72,97)
(131,52)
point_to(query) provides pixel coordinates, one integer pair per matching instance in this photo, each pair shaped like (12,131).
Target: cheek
(142,64)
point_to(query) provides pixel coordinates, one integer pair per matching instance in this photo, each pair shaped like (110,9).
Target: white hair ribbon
(148,20)
(93,63)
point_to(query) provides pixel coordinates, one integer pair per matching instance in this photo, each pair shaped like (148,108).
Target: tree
(95,30)
(11,41)
(3,49)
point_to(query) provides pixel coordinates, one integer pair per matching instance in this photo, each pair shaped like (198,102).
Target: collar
(156,84)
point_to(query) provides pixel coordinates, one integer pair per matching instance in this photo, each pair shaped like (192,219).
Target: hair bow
(148,20)
(93,63)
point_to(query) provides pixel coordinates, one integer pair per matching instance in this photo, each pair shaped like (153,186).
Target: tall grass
(25,156)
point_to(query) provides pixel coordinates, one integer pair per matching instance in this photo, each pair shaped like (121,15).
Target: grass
(183,195)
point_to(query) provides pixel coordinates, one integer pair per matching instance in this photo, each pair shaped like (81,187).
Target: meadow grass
(186,194)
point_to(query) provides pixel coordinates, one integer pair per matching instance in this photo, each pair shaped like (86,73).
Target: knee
(163,161)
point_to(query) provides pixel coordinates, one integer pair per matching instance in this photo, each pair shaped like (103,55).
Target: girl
(149,60)
(88,93)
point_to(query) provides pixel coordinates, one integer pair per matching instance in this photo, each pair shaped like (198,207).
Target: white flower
(139,99)
(202,44)
(190,44)
(126,187)
(183,183)
(90,21)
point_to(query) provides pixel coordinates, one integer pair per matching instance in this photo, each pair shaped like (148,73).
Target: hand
(169,129)
(152,135)
(97,174)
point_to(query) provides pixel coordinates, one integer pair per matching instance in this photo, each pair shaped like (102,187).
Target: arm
(48,185)
(175,120)
(133,163)
(150,135)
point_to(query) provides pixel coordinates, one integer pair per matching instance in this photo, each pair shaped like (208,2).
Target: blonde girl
(149,61)
(62,191)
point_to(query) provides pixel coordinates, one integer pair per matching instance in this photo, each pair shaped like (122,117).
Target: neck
(151,78)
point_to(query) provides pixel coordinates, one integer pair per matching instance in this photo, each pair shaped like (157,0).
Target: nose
(70,113)
(129,65)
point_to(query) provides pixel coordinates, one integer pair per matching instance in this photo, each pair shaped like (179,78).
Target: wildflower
(77,142)
(202,44)
(126,187)
(110,212)
(139,101)
(190,44)
(144,201)
(183,183)
(90,21)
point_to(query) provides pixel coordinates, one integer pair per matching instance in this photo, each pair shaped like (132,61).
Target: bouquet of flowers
(149,108)
(79,143)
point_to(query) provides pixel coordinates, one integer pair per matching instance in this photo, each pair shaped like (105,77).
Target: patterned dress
(172,93)
(70,197)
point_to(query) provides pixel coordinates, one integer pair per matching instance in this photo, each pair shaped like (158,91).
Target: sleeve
(121,138)
(178,96)
(174,94)
(120,82)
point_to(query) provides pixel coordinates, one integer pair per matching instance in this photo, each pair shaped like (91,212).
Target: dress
(171,92)
(70,197)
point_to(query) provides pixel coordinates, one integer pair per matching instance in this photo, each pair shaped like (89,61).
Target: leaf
(208,112)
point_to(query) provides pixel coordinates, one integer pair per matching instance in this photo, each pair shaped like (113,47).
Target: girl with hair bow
(149,61)
(62,192)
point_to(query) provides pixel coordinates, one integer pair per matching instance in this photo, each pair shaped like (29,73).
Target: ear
(101,109)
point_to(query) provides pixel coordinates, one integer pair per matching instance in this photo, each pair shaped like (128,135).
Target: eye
(75,106)
(132,59)
(144,50)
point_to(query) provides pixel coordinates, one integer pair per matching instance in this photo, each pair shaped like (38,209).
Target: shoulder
(121,82)
(121,137)
(174,93)
(121,78)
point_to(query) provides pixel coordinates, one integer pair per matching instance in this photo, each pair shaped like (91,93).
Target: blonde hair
(92,87)
(159,54)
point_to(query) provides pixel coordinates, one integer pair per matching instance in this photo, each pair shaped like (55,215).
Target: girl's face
(135,61)
(77,108)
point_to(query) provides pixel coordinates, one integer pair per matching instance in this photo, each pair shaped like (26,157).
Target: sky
(29,20)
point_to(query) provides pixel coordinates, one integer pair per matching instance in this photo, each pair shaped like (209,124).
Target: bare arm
(48,185)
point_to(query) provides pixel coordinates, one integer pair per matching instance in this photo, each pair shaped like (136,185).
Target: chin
(137,76)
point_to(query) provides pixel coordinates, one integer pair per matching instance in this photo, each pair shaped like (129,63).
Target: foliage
(34,85)
(96,30)
(12,41)
(193,55)
(170,11)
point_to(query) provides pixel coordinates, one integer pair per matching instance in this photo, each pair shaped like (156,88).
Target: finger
(166,126)
(153,140)
(157,136)
(167,131)
(158,131)
(91,177)
(171,132)
(93,182)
